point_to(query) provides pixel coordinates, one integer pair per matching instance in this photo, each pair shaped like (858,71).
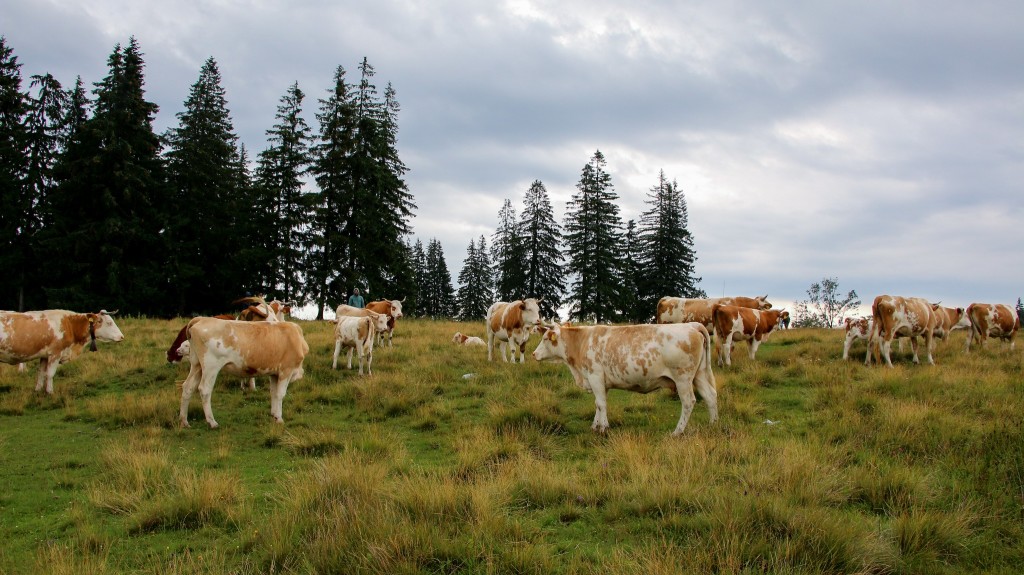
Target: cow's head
(763,303)
(380,321)
(103,328)
(458,337)
(396,308)
(531,311)
(551,345)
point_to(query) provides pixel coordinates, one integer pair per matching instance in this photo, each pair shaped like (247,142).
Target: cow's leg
(195,372)
(846,349)
(727,348)
(51,370)
(754,344)
(369,358)
(929,346)
(278,389)
(206,383)
(490,345)
(350,351)
(705,384)
(522,351)
(600,424)
(361,350)
(887,350)
(337,352)
(913,348)
(684,388)
(504,348)
(41,377)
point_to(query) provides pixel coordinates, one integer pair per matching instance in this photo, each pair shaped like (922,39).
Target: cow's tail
(705,355)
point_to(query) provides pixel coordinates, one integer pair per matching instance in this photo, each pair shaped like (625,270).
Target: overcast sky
(880,143)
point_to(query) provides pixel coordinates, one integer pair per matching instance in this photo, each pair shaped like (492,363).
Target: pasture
(444,463)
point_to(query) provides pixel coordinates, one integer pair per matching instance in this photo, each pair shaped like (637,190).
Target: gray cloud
(878,143)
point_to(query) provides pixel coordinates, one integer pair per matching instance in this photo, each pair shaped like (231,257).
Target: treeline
(598,268)
(97,210)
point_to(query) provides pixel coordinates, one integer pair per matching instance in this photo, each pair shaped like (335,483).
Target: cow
(856,328)
(950,319)
(464,340)
(357,334)
(261,310)
(391,307)
(53,337)
(510,323)
(639,358)
(896,316)
(681,310)
(241,348)
(734,323)
(995,320)
(179,347)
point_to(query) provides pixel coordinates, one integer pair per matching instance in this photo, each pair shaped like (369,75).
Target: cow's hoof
(213,424)
(185,424)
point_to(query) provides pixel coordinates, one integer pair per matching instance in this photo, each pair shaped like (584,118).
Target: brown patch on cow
(513,317)
(27,336)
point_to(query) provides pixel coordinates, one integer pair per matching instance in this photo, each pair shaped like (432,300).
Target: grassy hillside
(444,463)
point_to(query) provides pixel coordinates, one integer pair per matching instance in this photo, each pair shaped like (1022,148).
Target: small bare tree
(825,307)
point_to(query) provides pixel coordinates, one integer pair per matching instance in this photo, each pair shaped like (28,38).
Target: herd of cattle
(674,353)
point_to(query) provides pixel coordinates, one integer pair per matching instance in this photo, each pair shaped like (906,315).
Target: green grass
(421,469)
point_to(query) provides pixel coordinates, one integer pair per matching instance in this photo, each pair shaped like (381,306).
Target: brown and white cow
(992,320)
(358,334)
(242,348)
(681,310)
(463,339)
(391,307)
(856,328)
(261,310)
(896,316)
(734,323)
(948,320)
(53,337)
(511,323)
(639,358)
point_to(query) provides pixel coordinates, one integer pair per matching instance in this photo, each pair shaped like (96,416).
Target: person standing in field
(356,300)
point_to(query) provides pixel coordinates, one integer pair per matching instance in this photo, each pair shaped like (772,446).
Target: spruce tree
(666,245)
(204,166)
(110,203)
(279,182)
(541,245)
(15,199)
(335,264)
(475,292)
(633,308)
(508,257)
(593,235)
(46,130)
(437,292)
(418,261)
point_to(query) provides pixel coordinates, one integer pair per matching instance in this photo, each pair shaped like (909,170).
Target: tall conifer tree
(476,287)
(541,245)
(109,206)
(666,245)
(418,261)
(204,167)
(279,181)
(593,234)
(508,257)
(437,294)
(15,200)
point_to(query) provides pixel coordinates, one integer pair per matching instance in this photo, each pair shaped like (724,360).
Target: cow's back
(36,334)
(258,346)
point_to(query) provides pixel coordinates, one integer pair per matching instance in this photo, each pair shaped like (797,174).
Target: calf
(463,339)
(639,358)
(734,323)
(896,316)
(856,328)
(53,337)
(242,348)
(510,324)
(995,320)
(357,334)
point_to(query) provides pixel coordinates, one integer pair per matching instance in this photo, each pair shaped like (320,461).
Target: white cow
(358,334)
(53,337)
(638,358)
(463,339)
(245,349)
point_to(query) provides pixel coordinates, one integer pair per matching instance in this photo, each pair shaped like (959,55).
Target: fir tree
(204,167)
(541,241)
(279,182)
(666,245)
(15,199)
(475,293)
(418,261)
(335,267)
(594,239)
(110,203)
(508,256)
(437,294)
(633,308)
